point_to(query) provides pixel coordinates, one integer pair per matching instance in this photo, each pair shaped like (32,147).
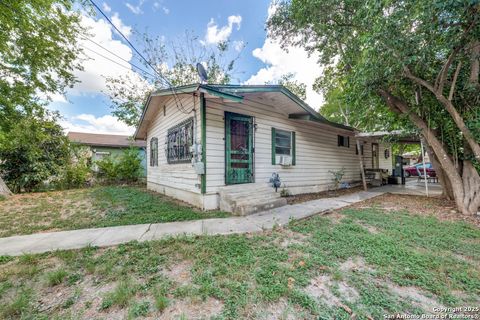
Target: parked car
(412,170)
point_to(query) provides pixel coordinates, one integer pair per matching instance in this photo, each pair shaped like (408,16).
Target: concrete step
(254,207)
(249,198)
(246,189)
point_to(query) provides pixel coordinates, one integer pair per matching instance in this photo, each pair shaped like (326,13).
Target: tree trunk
(442,177)
(466,197)
(4,190)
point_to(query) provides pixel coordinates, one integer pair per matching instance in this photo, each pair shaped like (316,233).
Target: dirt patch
(279,310)
(370,228)
(289,237)
(179,272)
(441,208)
(417,296)
(322,288)
(334,216)
(193,310)
(355,264)
(90,299)
(299,198)
(53,298)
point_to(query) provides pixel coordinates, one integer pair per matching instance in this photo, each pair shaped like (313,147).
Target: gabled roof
(103,140)
(236,93)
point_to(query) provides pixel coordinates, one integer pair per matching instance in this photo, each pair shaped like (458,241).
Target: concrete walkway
(102,237)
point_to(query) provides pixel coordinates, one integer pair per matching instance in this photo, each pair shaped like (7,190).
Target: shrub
(125,168)
(337,177)
(32,152)
(77,172)
(129,166)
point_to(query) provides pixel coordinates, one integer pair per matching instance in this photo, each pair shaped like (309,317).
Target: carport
(400,137)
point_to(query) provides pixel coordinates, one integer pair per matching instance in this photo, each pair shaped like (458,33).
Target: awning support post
(424,168)
(362,170)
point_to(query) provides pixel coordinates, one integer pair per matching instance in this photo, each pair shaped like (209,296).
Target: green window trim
(273,147)
(293,147)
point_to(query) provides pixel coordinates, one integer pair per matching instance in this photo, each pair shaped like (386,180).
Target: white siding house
(239,137)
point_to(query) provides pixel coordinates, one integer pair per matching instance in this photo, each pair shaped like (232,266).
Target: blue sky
(87,108)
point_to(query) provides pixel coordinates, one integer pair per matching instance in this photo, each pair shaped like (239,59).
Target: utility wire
(116,62)
(119,57)
(162,77)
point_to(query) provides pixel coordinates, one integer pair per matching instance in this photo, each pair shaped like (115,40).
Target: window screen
(283,142)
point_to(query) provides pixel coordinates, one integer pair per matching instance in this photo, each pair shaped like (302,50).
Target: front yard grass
(88,208)
(369,260)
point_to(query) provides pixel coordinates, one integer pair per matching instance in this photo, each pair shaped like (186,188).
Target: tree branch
(454,81)
(457,118)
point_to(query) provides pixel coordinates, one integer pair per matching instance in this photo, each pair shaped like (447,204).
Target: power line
(116,62)
(119,57)
(162,77)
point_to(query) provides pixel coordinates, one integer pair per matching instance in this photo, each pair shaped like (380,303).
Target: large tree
(38,51)
(415,60)
(169,63)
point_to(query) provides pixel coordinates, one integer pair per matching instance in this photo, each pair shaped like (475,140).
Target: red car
(412,170)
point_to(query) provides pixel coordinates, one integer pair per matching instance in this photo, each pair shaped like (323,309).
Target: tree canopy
(410,64)
(38,51)
(174,63)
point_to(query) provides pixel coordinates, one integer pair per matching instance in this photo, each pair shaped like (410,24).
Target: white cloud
(238,45)
(280,62)
(216,35)
(166,10)
(136,9)
(96,67)
(126,30)
(90,123)
(106,7)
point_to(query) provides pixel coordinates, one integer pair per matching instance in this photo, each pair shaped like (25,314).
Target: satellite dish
(202,73)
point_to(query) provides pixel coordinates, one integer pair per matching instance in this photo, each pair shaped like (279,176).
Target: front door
(375,159)
(238,148)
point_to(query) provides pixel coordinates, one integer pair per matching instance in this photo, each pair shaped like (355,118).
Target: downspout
(203,120)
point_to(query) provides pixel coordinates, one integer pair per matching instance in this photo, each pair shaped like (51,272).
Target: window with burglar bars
(179,140)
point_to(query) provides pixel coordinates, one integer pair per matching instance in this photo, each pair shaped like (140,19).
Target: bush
(77,172)
(125,168)
(32,152)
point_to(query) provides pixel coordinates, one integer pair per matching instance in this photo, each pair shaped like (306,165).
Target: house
(217,146)
(106,145)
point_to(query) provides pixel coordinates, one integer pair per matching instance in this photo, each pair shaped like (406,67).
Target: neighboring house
(217,146)
(106,145)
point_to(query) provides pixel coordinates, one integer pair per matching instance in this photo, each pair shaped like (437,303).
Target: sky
(87,108)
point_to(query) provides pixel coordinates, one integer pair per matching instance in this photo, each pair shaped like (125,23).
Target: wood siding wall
(180,176)
(317,150)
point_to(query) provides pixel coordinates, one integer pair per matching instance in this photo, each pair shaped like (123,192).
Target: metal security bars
(178,142)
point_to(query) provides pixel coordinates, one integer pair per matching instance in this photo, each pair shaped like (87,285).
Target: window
(361,149)
(283,144)
(179,141)
(343,141)
(153,152)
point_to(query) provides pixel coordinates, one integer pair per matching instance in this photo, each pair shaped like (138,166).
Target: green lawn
(364,260)
(94,207)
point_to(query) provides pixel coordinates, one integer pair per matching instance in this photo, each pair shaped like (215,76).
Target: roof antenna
(202,73)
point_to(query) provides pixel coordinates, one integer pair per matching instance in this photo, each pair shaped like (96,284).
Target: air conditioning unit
(285,161)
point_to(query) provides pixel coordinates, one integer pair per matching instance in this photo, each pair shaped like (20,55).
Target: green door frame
(238,175)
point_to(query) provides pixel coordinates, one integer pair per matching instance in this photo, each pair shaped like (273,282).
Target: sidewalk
(102,237)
